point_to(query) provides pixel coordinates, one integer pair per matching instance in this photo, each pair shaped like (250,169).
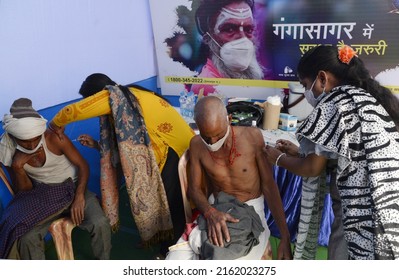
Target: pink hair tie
(346,53)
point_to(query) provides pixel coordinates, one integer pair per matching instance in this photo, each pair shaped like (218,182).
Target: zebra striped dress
(352,124)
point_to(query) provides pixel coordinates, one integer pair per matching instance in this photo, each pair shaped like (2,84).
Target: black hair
(97,82)
(94,83)
(325,58)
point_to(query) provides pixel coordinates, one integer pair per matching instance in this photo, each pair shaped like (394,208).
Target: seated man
(44,171)
(239,179)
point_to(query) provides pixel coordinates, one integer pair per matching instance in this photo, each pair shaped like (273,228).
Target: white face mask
(309,95)
(218,144)
(237,55)
(29,152)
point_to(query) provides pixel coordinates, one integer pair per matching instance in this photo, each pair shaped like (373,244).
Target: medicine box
(287,122)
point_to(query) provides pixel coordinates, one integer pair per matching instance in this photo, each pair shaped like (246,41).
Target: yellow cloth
(166,128)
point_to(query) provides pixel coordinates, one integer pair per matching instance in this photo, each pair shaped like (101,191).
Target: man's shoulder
(50,136)
(248,134)
(247,131)
(197,145)
(53,142)
(195,142)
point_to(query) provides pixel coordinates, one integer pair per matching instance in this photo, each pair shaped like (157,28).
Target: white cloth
(189,250)
(24,129)
(7,149)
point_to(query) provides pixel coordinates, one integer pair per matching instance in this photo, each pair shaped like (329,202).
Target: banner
(281,30)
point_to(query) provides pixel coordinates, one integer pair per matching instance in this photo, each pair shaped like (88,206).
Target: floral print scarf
(124,139)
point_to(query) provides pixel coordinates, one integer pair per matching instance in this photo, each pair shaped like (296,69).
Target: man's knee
(31,237)
(98,224)
(103,223)
(31,246)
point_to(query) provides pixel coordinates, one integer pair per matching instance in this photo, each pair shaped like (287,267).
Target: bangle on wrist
(208,212)
(278,158)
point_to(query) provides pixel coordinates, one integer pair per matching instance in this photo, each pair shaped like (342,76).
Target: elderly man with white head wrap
(45,168)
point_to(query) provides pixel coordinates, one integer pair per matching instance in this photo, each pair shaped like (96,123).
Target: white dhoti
(190,249)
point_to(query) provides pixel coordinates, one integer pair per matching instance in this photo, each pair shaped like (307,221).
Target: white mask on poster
(237,55)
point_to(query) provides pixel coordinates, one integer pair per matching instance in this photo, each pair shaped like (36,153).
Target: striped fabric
(352,124)
(314,190)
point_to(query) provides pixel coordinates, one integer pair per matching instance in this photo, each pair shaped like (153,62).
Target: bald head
(209,110)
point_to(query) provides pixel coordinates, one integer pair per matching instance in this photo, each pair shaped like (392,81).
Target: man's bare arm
(20,179)
(70,151)
(217,221)
(195,176)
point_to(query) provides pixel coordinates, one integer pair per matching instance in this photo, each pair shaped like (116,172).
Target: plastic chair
(183,170)
(60,229)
